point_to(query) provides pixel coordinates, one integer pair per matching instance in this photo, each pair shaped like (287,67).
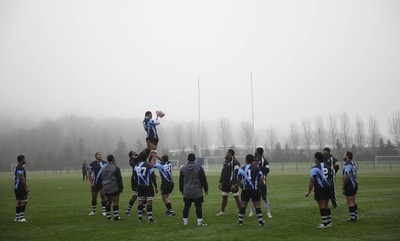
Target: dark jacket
(192,179)
(112,179)
(230,171)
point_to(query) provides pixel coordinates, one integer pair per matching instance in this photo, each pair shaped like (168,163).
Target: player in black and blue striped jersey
(94,176)
(250,179)
(146,178)
(21,189)
(350,185)
(320,181)
(150,126)
(167,182)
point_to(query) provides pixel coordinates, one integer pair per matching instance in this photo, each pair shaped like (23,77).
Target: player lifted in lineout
(149,125)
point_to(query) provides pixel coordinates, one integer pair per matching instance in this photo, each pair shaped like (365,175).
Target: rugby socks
(94,204)
(352,211)
(355,211)
(22,212)
(140,212)
(149,210)
(324,216)
(130,205)
(17,211)
(103,206)
(259,216)
(329,217)
(185,221)
(116,212)
(169,208)
(241,215)
(108,210)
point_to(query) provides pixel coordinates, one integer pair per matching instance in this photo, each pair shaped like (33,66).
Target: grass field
(59,205)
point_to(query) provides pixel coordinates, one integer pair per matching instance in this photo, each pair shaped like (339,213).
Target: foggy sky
(121,58)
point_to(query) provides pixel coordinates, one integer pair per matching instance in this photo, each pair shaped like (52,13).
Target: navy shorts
(254,195)
(21,194)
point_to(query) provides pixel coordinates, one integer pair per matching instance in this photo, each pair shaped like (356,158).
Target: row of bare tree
(68,140)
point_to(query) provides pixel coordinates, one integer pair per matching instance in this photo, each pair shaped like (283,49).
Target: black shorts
(264,192)
(254,195)
(153,141)
(145,191)
(166,187)
(322,193)
(134,184)
(349,190)
(97,187)
(194,200)
(114,194)
(21,194)
(226,187)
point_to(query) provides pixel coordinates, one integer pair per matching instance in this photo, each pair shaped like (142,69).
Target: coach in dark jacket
(192,180)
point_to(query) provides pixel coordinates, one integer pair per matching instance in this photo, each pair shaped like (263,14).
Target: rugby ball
(160,113)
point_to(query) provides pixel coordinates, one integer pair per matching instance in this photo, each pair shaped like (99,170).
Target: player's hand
(220,186)
(307,194)
(206,193)
(156,190)
(27,190)
(233,187)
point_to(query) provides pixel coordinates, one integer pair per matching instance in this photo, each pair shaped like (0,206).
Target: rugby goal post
(386,159)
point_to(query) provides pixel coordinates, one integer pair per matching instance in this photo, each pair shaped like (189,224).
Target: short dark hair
(249,158)
(110,158)
(20,158)
(147,113)
(319,156)
(327,149)
(231,151)
(349,154)
(191,157)
(95,154)
(143,155)
(260,150)
(130,154)
(165,158)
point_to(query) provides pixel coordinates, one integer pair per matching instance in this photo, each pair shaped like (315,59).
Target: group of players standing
(322,180)
(105,178)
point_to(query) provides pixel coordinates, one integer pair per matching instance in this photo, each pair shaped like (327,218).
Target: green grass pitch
(59,205)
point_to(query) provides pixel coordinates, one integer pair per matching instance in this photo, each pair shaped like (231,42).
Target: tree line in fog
(68,140)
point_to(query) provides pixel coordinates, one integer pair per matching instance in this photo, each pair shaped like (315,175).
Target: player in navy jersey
(228,180)
(333,163)
(350,185)
(21,189)
(167,182)
(133,161)
(149,126)
(263,164)
(94,176)
(321,177)
(250,179)
(146,178)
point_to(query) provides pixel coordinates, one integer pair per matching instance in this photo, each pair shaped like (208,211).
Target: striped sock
(355,206)
(329,220)
(116,212)
(352,213)
(17,216)
(140,212)
(103,206)
(94,204)
(323,216)
(130,205)
(108,210)
(149,210)
(241,215)
(259,216)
